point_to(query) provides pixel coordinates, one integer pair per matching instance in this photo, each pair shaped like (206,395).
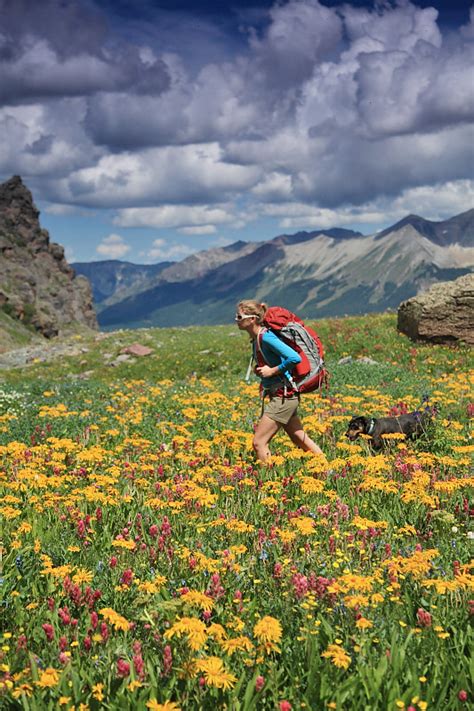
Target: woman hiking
(280,399)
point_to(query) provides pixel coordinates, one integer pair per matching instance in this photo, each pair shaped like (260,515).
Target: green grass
(222,352)
(14,334)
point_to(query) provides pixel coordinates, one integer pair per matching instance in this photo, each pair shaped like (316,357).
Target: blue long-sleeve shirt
(275,352)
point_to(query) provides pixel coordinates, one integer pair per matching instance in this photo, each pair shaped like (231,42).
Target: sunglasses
(240,317)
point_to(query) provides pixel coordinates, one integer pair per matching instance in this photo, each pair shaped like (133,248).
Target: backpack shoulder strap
(249,369)
(258,344)
(256,353)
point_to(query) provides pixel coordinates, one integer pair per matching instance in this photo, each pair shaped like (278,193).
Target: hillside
(14,334)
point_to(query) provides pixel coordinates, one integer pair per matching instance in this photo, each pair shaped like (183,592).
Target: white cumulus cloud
(198,230)
(164,251)
(113,247)
(173,216)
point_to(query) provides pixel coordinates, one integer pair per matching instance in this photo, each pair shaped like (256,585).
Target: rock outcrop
(443,314)
(37,285)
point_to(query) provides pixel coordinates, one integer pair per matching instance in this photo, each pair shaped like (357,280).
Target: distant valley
(322,273)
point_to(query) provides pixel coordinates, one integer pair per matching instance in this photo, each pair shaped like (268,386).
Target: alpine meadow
(150,563)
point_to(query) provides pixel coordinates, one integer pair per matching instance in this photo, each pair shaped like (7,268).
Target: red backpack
(310,374)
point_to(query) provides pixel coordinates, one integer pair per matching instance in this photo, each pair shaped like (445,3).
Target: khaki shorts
(280,409)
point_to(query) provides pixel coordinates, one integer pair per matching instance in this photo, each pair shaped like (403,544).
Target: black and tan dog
(412,425)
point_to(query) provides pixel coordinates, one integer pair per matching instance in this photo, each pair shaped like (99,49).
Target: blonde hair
(253,308)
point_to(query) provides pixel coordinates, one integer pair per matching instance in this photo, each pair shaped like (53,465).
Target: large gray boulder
(442,314)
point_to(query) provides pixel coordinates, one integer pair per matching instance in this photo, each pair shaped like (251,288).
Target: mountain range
(322,273)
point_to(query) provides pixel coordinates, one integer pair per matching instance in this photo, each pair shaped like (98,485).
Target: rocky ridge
(37,285)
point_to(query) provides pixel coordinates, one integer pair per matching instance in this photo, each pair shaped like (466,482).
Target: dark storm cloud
(355,171)
(300,36)
(69,27)
(41,145)
(56,48)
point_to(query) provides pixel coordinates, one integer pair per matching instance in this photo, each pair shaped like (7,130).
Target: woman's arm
(289,357)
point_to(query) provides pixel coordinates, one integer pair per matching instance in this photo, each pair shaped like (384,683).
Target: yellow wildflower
(309,485)
(119,622)
(134,685)
(194,597)
(363,524)
(97,690)
(304,524)
(363,624)
(337,655)
(215,673)
(166,706)
(48,678)
(237,644)
(121,543)
(82,576)
(194,629)
(268,632)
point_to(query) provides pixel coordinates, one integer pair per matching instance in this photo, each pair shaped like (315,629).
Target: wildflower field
(150,563)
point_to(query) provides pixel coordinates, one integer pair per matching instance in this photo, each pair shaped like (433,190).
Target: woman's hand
(266,371)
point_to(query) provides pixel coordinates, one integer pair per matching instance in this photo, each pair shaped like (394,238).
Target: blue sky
(149,129)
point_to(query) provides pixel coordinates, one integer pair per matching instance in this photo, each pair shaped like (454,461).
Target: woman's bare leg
(298,436)
(265,430)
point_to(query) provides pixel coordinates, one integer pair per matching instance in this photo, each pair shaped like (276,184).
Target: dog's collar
(371,426)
